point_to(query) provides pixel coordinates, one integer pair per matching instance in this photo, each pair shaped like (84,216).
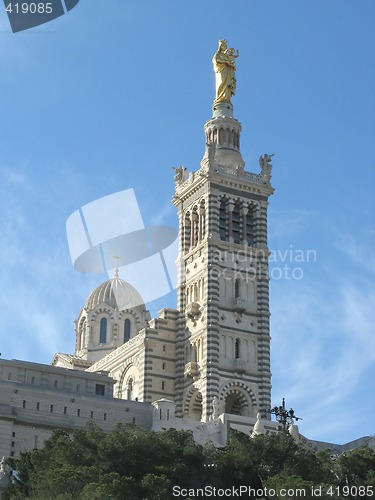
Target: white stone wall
(148,360)
(30,411)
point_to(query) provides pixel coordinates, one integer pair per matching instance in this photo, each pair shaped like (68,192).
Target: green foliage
(357,468)
(135,464)
(284,482)
(253,461)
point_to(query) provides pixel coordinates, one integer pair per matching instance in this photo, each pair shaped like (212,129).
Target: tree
(356,468)
(135,464)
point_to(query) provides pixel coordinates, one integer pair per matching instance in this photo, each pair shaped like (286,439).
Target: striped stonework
(223,338)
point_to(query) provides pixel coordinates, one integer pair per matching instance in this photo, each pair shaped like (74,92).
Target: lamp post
(284,417)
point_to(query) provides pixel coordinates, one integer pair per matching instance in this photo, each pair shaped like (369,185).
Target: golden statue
(224,67)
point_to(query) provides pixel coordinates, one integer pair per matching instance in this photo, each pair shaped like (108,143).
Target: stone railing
(239,305)
(239,365)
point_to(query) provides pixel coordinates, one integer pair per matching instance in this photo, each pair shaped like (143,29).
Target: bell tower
(223,338)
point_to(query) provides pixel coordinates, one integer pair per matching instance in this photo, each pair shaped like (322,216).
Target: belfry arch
(238,399)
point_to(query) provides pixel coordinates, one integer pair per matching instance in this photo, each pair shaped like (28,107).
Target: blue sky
(113,94)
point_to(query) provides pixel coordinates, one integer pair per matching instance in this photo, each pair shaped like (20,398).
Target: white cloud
(40,293)
(323,344)
(159,218)
(286,222)
(360,249)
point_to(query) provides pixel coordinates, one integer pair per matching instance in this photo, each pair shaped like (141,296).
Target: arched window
(202,221)
(127,325)
(194,353)
(223,221)
(103,331)
(194,228)
(237,349)
(250,227)
(129,389)
(187,233)
(236,219)
(196,292)
(86,335)
(237,286)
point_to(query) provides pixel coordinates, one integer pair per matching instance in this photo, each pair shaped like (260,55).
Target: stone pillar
(192,230)
(186,235)
(201,222)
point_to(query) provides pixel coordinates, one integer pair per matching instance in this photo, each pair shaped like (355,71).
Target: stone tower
(223,337)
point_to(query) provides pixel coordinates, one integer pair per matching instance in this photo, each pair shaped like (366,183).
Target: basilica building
(204,366)
(211,354)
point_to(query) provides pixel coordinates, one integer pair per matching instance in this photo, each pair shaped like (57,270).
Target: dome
(116,293)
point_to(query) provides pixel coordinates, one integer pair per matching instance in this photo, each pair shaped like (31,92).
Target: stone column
(192,230)
(201,222)
(186,235)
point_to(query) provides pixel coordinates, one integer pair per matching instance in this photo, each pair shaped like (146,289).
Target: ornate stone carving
(265,165)
(180,175)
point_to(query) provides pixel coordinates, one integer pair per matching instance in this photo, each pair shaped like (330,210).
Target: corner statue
(224,67)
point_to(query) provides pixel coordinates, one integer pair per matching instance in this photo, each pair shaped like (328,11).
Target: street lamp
(284,417)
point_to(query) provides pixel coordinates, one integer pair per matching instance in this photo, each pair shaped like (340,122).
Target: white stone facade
(35,399)
(223,340)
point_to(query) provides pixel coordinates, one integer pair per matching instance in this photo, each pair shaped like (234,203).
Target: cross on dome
(117,258)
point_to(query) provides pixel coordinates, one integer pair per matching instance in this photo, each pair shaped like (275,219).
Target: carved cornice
(235,178)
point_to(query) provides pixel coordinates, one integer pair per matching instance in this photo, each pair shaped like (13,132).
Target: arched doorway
(238,399)
(236,404)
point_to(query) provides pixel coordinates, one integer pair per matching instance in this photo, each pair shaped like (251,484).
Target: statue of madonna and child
(225,67)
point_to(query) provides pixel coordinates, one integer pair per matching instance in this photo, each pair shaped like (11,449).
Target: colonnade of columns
(194,227)
(223,136)
(236,222)
(195,291)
